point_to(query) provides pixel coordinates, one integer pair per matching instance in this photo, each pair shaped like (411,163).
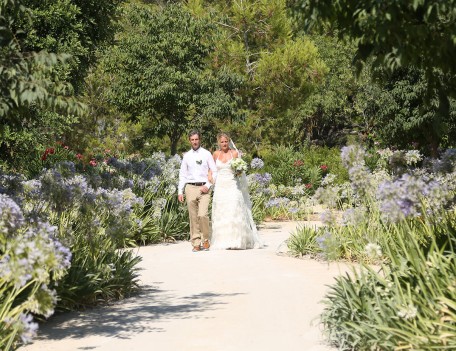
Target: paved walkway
(207,301)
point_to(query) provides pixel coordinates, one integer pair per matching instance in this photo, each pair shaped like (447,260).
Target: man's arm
(213,168)
(182,177)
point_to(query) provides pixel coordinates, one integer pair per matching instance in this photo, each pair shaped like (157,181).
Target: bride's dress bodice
(224,170)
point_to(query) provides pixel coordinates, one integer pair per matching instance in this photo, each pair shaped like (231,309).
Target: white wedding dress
(232,222)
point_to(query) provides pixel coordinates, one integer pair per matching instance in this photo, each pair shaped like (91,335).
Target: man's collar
(196,150)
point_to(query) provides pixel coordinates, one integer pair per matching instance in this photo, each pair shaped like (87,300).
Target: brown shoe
(206,245)
(196,248)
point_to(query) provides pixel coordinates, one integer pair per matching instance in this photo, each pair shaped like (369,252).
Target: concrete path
(207,301)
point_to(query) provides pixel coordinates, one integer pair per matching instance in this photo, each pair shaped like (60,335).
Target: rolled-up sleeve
(183,173)
(212,167)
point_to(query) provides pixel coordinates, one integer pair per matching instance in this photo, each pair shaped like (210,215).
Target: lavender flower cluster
(446,163)
(99,202)
(408,195)
(353,155)
(353,159)
(277,202)
(263,180)
(256,163)
(30,255)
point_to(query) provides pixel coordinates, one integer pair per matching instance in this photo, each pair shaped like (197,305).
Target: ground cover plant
(399,223)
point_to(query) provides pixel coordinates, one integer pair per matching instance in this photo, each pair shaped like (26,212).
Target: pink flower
(66,147)
(324,168)
(298,163)
(79,156)
(308,185)
(93,162)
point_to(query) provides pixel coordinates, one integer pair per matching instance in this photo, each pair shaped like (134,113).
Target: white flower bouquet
(238,165)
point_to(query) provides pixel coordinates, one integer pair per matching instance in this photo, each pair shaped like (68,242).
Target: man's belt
(196,184)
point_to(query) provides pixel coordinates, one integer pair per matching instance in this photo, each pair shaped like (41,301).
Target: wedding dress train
(232,222)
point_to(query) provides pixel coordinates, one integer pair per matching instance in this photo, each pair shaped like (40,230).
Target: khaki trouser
(198,210)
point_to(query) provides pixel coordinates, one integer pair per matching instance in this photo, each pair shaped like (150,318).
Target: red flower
(324,168)
(298,163)
(308,185)
(79,156)
(93,162)
(48,151)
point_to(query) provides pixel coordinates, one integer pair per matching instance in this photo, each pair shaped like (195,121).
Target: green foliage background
(135,76)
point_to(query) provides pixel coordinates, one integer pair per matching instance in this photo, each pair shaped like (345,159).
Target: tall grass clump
(303,241)
(405,303)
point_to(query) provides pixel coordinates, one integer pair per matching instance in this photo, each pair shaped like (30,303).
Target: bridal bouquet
(238,165)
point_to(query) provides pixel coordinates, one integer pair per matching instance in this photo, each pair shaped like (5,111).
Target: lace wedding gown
(232,223)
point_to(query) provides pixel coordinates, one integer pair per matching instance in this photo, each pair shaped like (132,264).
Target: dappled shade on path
(217,300)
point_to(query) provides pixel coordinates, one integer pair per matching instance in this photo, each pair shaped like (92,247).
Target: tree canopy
(393,37)
(160,75)
(421,33)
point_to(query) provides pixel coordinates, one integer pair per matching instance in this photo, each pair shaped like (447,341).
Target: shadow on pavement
(124,319)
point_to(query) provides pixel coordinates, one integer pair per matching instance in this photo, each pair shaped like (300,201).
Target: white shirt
(195,168)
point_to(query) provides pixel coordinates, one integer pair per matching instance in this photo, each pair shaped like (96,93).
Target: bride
(232,222)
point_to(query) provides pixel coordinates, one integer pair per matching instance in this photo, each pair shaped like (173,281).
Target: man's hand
(204,189)
(180,198)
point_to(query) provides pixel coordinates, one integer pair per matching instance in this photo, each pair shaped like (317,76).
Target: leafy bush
(328,160)
(307,166)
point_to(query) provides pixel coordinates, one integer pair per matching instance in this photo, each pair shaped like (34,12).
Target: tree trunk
(174,137)
(174,142)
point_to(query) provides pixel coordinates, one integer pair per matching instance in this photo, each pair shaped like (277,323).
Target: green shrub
(307,166)
(258,203)
(318,156)
(279,163)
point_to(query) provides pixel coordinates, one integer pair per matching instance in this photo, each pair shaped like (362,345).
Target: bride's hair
(221,135)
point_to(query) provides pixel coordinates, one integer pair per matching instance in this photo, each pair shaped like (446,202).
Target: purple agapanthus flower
(257,163)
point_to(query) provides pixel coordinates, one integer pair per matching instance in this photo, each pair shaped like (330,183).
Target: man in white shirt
(193,179)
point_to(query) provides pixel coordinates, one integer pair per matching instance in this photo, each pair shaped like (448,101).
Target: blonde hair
(223,135)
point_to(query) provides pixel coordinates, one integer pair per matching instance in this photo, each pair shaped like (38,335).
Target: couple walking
(232,222)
